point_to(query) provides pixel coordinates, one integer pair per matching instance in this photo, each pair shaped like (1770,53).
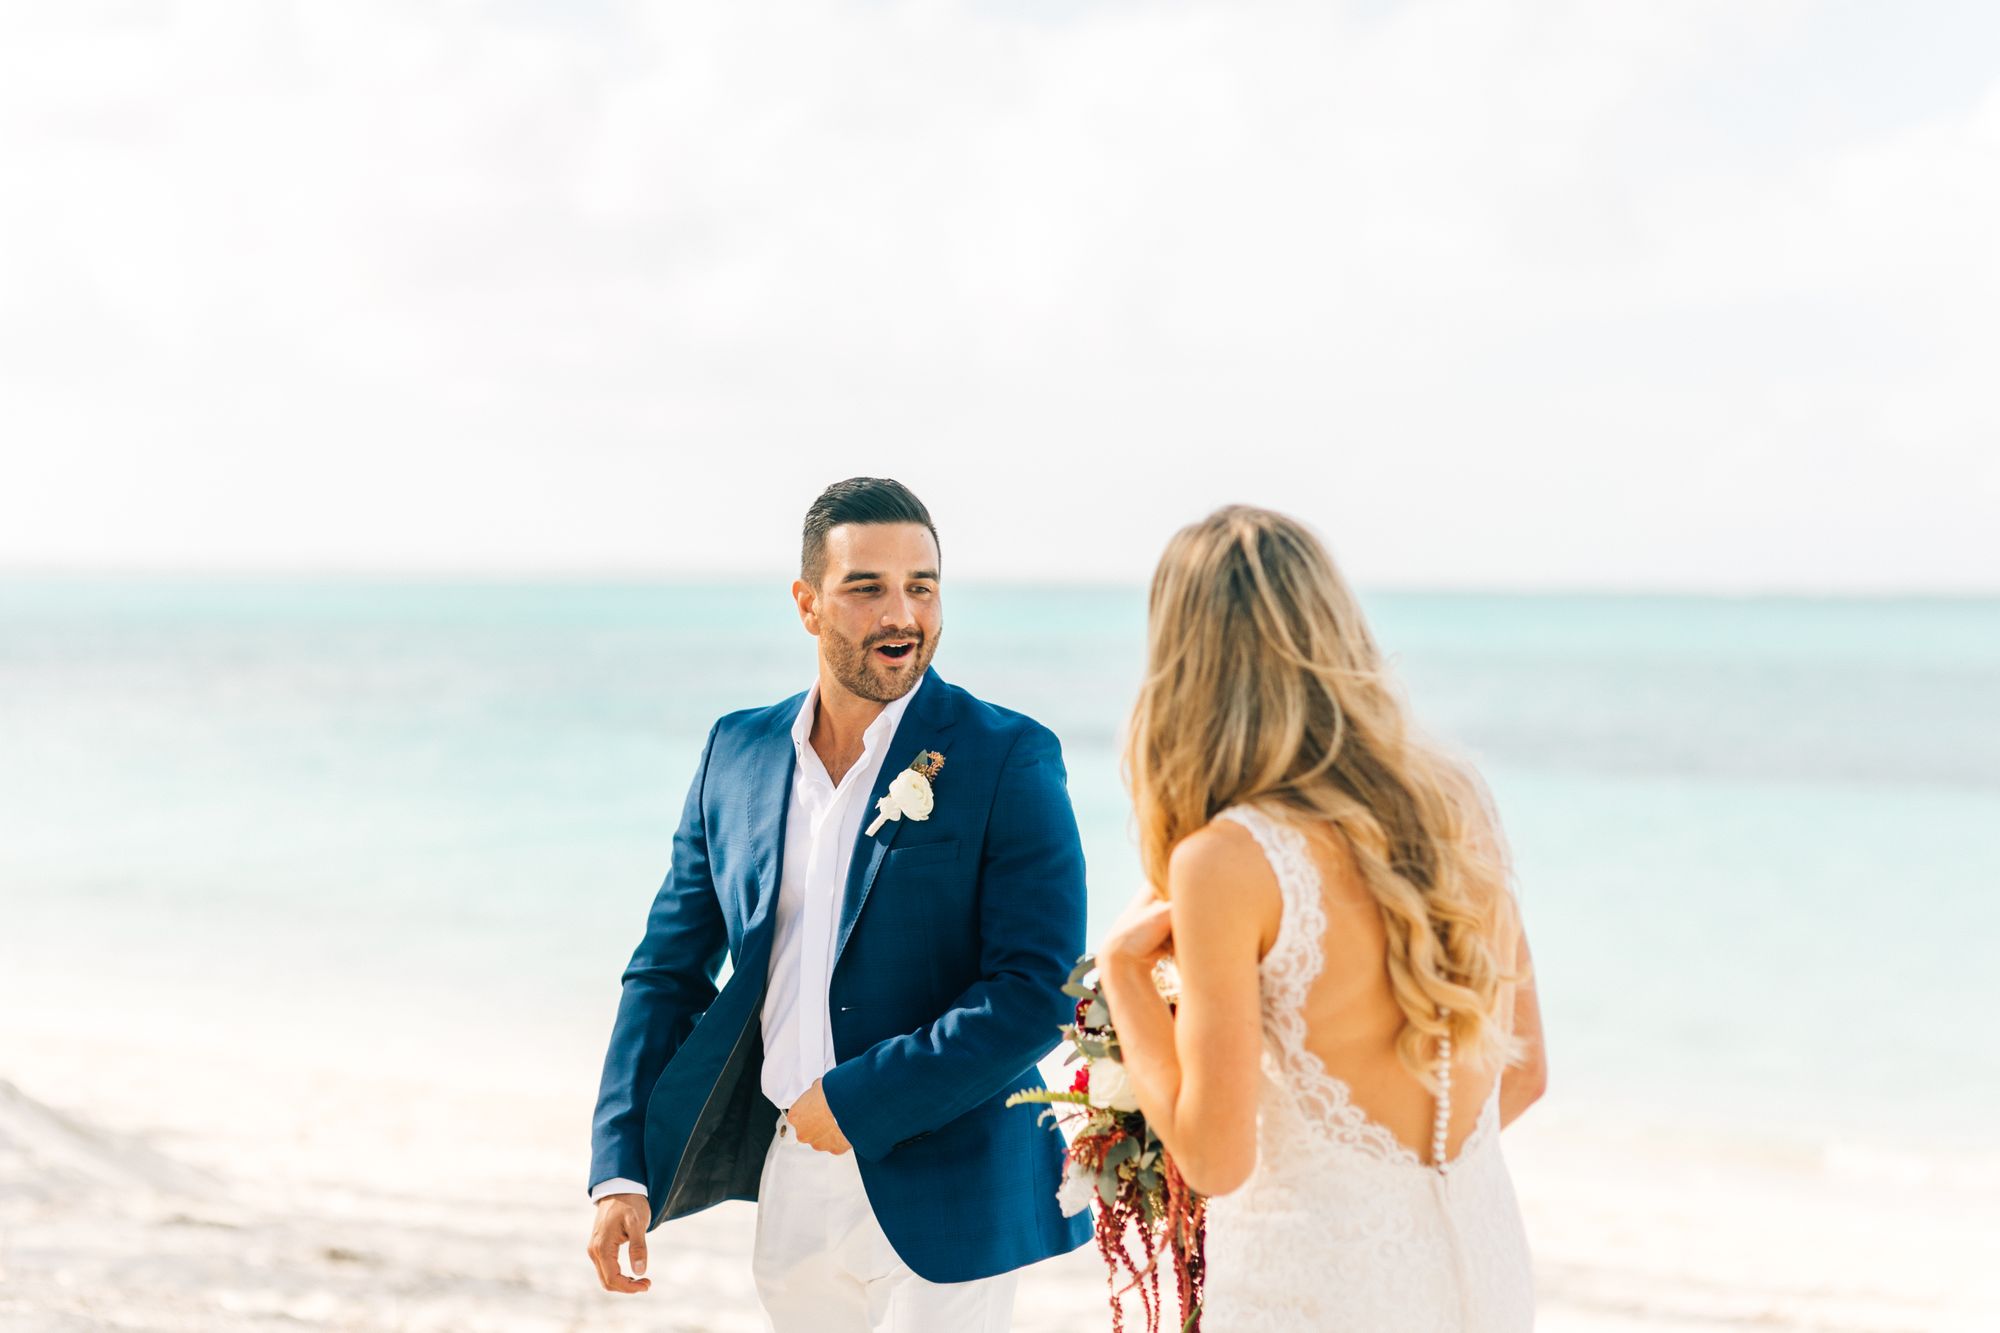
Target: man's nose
(900,613)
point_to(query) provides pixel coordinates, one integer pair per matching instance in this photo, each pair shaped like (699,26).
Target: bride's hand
(1142,935)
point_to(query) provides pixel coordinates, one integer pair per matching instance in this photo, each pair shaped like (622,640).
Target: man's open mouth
(895,650)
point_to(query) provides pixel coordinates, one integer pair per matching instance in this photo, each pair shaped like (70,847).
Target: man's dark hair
(856,500)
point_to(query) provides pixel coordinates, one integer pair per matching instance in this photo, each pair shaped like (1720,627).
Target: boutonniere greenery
(909,795)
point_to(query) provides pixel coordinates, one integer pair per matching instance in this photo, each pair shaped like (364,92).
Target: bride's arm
(1522,1085)
(1196,1078)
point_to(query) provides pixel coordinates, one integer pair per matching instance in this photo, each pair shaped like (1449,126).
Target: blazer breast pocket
(923,854)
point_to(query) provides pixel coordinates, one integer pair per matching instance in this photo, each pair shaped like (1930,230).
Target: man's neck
(840,719)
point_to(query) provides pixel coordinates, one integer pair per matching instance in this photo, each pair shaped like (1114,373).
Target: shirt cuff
(615,1185)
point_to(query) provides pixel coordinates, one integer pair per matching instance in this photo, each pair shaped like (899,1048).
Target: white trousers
(823,1265)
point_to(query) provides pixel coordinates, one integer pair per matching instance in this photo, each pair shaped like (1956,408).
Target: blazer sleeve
(1031,923)
(666,986)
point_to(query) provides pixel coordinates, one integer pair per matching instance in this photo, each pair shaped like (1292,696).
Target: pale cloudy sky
(1691,294)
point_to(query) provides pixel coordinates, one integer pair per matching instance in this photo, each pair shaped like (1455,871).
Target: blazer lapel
(770,800)
(930,714)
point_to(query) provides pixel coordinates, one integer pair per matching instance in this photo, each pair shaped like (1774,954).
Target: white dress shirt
(821,826)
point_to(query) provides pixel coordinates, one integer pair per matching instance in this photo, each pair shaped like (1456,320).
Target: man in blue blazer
(892,868)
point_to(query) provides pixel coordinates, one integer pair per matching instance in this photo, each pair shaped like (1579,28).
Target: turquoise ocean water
(1758,839)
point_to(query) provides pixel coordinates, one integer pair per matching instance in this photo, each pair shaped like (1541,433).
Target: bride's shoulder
(1223,856)
(1242,834)
(1233,828)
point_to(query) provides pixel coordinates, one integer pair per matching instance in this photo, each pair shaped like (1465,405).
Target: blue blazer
(955,936)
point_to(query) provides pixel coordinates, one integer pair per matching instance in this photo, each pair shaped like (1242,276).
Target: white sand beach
(166,1173)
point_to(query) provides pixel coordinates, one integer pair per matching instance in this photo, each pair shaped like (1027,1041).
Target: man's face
(877,612)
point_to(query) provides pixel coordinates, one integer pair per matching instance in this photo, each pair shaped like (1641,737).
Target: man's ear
(806,597)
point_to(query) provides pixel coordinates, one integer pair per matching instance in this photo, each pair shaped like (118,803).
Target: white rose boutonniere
(909,795)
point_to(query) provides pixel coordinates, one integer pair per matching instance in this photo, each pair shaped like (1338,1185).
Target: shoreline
(151,1184)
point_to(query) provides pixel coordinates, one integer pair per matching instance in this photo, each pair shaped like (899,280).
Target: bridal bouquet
(1116,1161)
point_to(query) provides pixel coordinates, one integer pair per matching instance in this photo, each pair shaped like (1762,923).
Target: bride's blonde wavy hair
(1264,685)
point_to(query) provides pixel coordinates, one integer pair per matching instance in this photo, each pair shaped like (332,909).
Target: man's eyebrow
(867,575)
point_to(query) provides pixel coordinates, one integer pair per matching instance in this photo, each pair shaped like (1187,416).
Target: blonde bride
(1355,1024)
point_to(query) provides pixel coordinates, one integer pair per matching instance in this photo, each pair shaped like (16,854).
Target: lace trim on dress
(1296,958)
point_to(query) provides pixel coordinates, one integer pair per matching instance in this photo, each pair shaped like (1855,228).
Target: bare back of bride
(1356,1023)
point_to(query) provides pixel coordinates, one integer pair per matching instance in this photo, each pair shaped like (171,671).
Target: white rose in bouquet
(1111,1087)
(1075,1193)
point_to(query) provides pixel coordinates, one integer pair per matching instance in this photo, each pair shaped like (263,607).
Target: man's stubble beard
(854,666)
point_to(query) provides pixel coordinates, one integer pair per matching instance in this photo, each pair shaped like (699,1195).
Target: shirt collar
(873,739)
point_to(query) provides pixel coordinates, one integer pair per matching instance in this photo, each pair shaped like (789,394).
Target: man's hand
(621,1220)
(812,1120)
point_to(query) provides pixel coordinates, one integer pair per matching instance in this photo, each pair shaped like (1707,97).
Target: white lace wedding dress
(1340,1228)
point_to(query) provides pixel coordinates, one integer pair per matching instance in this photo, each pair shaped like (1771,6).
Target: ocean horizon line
(643,578)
